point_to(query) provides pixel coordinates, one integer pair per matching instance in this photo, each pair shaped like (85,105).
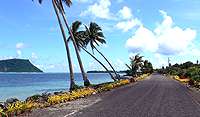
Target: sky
(156,29)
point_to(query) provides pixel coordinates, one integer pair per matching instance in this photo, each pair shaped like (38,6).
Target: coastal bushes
(187,72)
(142,77)
(18,107)
(107,87)
(182,80)
(80,93)
(138,66)
(40,101)
(2,112)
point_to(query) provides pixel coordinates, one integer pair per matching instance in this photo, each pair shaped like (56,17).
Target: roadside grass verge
(187,81)
(182,80)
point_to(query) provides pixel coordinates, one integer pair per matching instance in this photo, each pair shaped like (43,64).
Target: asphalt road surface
(158,96)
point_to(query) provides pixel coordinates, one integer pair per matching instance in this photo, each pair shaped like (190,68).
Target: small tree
(136,64)
(147,67)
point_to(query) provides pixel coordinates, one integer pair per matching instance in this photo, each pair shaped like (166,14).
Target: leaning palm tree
(57,9)
(94,37)
(86,81)
(60,8)
(79,37)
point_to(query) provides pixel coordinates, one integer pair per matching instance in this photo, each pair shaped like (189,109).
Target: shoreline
(22,86)
(49,100)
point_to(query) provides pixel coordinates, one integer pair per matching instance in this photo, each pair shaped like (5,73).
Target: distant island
(17,65)
(95,71)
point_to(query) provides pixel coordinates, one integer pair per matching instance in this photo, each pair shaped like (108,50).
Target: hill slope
(17,65)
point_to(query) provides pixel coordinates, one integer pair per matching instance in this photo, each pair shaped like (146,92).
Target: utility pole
(169,62)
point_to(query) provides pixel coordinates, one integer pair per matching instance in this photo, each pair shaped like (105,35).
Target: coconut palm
(136,64)
(94,37)
(79,37)
(147,67)
(59,5)
(57,8)
(86,81)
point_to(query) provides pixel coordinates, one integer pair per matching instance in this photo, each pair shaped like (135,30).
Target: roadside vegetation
(187,72)
(90,37)
(138,70)
(138,66)
(14,107)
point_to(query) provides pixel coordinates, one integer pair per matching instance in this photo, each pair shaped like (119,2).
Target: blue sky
(156,29)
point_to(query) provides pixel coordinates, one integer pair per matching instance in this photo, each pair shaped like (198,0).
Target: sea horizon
(23,85)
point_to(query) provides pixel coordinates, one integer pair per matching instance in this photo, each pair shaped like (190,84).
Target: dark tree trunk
(116,75)
(86,81)
(99,63)
(72,83)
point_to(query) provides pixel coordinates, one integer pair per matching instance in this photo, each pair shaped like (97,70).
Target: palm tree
(57,8)
(94,37)
(136,64)
(79,37)
(86,81)
(147,67)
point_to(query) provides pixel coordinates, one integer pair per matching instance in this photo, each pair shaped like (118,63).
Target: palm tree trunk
(72,82)
(86,81)
(99,63)
(117,76)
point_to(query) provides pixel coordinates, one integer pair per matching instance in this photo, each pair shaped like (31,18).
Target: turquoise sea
(22,85)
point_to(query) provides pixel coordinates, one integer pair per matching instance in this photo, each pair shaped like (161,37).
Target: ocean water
(22,85)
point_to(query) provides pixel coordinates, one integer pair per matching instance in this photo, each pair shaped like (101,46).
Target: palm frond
(75,26)
(95,26)
(67,2)
(100,34)
(40,1)
(128,66)
(101,40)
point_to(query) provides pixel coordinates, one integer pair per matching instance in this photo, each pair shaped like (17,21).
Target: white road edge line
(71,113)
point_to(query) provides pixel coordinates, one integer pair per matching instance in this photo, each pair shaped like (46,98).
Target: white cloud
(143,40)
(127,22)
(94,65)
(119,65)
(20,45)
(34,56)
(125,13)
(6,57)
(165,39)
(53,67)
(19,53)
(127,25)
(100,9)
(175,40)
(160,61)
(83,1)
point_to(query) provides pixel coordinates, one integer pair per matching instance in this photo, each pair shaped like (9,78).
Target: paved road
(156,97)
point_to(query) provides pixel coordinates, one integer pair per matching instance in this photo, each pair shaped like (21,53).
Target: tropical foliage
(94,36)
(90,36)
(59,10)
(187,70)
(138,66)
(147,67)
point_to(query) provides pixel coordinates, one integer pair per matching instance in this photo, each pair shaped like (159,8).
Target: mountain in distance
(17,65)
